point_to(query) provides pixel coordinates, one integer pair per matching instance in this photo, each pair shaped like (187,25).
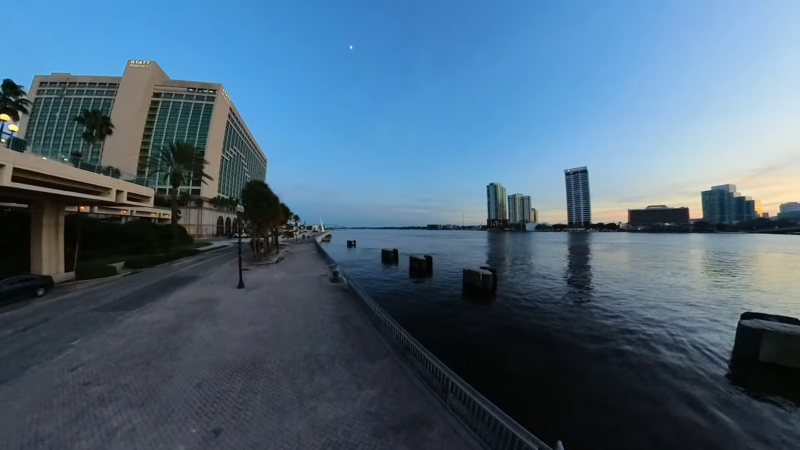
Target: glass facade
(174,119)
(239,161)
(52,130)
(579,203)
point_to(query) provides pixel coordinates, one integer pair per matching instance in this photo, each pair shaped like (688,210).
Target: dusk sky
(436,99)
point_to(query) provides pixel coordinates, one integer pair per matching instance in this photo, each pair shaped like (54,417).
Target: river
(602,340)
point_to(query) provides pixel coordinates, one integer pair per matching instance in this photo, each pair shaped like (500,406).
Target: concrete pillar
(47,238)
(478,280)
(420,265)
(766,338)
(494,276)
(390,255)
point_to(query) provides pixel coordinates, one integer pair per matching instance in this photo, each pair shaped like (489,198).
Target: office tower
(579,204)
(718,203)
(722,204)
(149,111)
(658,215)
(519,208)
(534,215)
(496,206)
(790,211)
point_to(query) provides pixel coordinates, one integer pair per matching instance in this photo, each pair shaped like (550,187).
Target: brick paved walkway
(287,363)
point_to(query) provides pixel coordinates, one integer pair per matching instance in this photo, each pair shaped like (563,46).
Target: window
(44,84)
(82,84)
(178,95)
(188,96)
(209,99)
(168,95)
(113,85)
(70,91)
(72,84)
(157,95)
(62,84)
(40,92)
(79,92)
(102,84)
(191,89)
(92,84)
(90,92)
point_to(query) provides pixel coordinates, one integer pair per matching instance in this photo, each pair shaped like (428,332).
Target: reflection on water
(579,267)
(641,364)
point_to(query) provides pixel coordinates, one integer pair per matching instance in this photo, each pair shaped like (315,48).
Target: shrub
(90,271)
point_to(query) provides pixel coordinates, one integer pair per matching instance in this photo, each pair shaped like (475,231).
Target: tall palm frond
(97,127)
(178,164)
(12,100)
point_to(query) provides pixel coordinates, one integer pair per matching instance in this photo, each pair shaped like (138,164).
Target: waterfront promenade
(287,363)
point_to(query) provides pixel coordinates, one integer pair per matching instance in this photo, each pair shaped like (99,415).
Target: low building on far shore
(658,214)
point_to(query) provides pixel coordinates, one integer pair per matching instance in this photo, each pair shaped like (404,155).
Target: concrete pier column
(390,255)
(420,265)
(47,238)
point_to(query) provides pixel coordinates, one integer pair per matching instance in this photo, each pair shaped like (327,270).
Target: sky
(436,99)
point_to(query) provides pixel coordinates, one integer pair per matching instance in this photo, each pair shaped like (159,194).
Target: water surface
(603,340)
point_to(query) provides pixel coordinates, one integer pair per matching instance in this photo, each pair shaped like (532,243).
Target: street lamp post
(240,217)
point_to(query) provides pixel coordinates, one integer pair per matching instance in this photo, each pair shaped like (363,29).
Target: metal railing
(493,428)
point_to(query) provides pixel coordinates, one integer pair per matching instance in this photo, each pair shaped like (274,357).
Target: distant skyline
(435,100)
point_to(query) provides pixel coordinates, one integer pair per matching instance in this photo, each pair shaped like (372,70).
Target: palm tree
(283,216)
(296,220)
(12,101)
(199,203)
(97,127)
(179,164)
(260,208)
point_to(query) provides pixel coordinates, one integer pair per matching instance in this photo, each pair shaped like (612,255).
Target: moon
(351,47)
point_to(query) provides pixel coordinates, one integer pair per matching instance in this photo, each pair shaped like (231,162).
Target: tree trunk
(174,217)
(200,211)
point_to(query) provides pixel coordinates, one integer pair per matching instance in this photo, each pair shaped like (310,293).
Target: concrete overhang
(25,177)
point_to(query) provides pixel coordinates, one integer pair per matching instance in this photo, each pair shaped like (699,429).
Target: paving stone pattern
(287,363)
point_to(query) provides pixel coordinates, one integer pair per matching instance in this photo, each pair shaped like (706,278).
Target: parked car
(19,287)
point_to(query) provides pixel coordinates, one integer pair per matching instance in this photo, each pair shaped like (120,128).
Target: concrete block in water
(351,243)
(494,276)
(765,338)
(390,255)
(420,264)
(478,280)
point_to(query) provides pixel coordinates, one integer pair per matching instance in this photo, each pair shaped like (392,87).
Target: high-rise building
(534,215)
(149,111)
(789,211)
(496,206)
(579,204)
(519,208)
(722,204)
(718,203)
